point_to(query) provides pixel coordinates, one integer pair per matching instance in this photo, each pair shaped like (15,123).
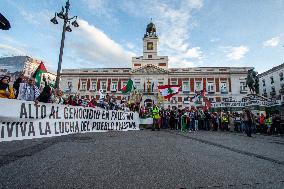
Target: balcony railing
(273,93)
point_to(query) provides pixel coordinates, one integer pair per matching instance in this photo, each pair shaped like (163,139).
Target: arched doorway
(148,103)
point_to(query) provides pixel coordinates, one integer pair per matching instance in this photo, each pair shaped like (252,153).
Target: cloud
(236,53)
(103,9)
(213,40)
(195,53)
(93,48)
(7,50)
(173,22)
(273,42)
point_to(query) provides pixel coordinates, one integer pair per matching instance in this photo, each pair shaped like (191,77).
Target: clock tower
(150,49)
(150,42)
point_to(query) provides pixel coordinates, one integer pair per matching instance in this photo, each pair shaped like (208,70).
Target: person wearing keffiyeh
(6,91)
(28,91)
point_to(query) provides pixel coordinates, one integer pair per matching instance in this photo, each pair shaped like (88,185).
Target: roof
(274,69)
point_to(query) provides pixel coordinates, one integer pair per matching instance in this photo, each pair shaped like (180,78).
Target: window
(94,85)
(160,83)
(84,85)
(224,89)
(123,83)
(243,86)
(281,76)
(150,46)
(137,85)
(198,86)
(162,64)
(185,86)
(174,83)
(273,89)
(149,56)
(211,99)
(174,100)
(69,84)
(263,82)
(113,86)
(272,80)
(264,91)
(103,85)
(210,86)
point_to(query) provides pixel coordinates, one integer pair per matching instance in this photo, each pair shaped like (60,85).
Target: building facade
(150,70)
(271,82)
(17,65)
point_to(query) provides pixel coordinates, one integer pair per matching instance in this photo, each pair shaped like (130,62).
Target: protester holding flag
(128,87)
(6,91)
(37,74)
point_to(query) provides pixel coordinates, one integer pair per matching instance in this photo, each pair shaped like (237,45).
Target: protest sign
(24,120)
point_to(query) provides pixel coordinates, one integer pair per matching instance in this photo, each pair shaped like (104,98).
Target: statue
(150,30)
(252,81)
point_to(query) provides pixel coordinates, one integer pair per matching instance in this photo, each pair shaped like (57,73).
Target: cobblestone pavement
(144,159)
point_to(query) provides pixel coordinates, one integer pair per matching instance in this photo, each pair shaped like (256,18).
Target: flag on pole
(169,90)
(37,74)
(208,104)
(128,87)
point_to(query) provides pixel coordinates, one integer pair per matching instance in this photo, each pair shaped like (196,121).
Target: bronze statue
(252,81)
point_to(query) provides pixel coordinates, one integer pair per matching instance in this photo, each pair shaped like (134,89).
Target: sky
(193,33)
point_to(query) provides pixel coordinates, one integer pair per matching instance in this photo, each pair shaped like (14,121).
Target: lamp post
(63,14)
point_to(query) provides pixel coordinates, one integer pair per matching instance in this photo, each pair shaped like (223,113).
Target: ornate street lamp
(63,14)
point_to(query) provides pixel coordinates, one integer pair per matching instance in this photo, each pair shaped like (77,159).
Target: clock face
(150,46)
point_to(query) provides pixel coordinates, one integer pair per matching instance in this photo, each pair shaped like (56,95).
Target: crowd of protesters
(26,89)
(190,120)
(176,119)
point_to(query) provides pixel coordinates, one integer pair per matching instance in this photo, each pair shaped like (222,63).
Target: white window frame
(114,86)
(101,85)
(210,86)
(185,87)
(92,85)
(83,85)
(224,84)
(200,86)
(173,82)
(243,86)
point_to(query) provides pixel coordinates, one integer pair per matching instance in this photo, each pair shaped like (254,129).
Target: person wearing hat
(6,91)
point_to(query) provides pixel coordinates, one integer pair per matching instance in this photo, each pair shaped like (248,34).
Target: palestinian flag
(169,90)
(37,75)
(128,87)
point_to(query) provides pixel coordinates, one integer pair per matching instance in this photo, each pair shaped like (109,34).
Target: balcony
(273,93)
(224,91)
(185,91)
(243,90)
(211,91)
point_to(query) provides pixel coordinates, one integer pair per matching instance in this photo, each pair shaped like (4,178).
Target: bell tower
(150,48)
(150,42)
